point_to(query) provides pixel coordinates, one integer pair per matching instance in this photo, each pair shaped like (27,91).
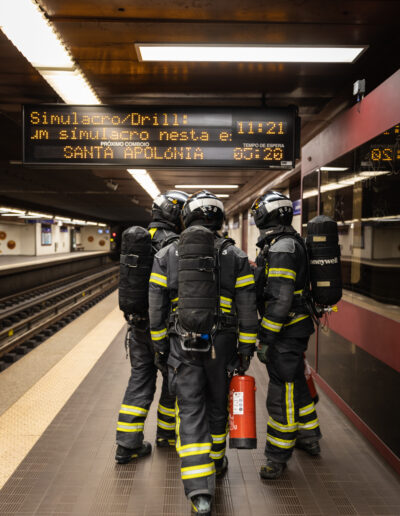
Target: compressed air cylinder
(242,413)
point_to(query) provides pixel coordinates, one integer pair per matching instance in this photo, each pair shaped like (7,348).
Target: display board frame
(161,136)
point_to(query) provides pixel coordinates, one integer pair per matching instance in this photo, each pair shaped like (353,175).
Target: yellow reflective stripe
(279,426)
(309,425)
(164,425)
(131,409)
(298,319)
(289,402)
(271,325)
(152,231)
(198,445)
(175,300)
(248,337)
(281,273)
(194,449)
(159,279)
(296,292)
(198,471)
(307,409)
(178,424)
(226,302)
(220,438)
(170,412)
(158,335)
(281,443)
(226,310)
(218,455)
(242,281)
(228,299)
(130,427)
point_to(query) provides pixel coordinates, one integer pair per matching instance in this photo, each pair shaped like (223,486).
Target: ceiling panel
(101,35)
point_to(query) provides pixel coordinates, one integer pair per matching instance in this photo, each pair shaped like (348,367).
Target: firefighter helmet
(205,209)
(272,209)
(167,206)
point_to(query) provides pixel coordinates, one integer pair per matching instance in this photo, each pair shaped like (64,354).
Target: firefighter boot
(125,455)
(311,448)
(272,470)
(221,466)
(201,504)
(162,442)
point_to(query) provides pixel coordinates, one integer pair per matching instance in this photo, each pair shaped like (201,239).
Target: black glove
(244,363)
(160,361)
(262,352)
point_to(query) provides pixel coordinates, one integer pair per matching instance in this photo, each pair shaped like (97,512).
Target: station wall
(92,240)
(17,239)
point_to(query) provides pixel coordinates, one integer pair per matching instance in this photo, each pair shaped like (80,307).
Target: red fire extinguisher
(242,412)
(310,381)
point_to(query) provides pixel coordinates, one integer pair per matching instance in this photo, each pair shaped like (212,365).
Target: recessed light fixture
(222,195)
(211,187)
(250,53)
(334,169)
(145,181)
(27,27)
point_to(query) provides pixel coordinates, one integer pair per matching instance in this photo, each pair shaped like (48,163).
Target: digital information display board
(161,137)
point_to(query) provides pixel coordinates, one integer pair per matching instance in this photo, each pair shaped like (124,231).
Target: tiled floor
(71,469)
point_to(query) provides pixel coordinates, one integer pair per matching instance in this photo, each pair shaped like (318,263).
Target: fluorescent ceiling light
(25,24)
(71,86)
(202,187)
(11,210)
(145,181)
(63,219)
(334,169)
(249,53)
(79,222)
(222,195)
(90,223)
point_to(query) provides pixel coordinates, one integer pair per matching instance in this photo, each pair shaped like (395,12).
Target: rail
(20,323)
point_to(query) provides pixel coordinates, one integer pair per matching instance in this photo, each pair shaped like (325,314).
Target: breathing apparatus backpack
(323,250)
(323,288)
(198,287)
(135,268)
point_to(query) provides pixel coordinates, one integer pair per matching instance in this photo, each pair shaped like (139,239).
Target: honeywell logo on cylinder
(326,261)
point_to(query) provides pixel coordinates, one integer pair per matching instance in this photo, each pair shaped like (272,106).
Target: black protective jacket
(282,272)
(238,312)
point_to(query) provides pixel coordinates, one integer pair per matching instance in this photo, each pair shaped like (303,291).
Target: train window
(360,191)
(310,199)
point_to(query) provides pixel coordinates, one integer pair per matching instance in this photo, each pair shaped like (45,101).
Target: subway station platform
(58,412)
(15,262)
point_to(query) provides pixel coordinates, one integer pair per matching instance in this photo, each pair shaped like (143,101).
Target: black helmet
(167,206)
(205,209)
(272,209)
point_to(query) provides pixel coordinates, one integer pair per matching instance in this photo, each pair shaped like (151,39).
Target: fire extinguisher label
(238,407)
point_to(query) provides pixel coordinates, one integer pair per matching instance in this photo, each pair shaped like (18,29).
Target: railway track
(30,317)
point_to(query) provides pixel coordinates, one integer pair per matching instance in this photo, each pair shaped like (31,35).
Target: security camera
(111,185)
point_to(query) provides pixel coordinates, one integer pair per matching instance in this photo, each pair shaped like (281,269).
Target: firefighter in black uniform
(200,380)
(286,325)
(139,394)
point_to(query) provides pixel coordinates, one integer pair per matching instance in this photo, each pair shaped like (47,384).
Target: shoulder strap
(169,240)
(223,243)
(152,232)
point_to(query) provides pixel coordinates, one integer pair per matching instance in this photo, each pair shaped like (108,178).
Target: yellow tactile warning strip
(24,422)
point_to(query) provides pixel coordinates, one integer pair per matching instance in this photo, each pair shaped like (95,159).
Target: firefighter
(139,394)
(286,325)
(200,379)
